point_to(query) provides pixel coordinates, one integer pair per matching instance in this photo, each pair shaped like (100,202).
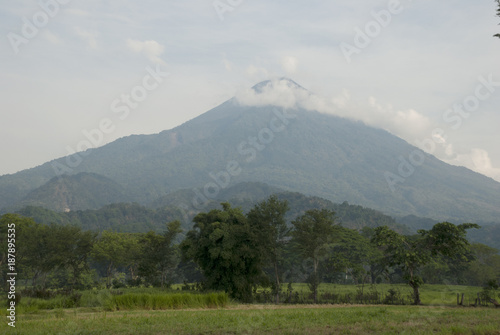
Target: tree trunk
(416,295)
(108,275)
(315,291)
(277,283)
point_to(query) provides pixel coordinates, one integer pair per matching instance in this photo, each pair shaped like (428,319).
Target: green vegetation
(413,252)
(135,301)
(267,320)
(229,251)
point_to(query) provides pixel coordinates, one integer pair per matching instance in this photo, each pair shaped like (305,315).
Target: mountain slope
(295,150)
(132,217)
(80,191)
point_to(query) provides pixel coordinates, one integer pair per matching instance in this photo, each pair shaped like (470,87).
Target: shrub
(167,301)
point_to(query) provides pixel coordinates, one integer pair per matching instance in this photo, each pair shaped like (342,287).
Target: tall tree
(410,253)
(267,220)
(110,250)
(350,252)
(224,247)
(23,228)
(159,254)
(72,248)
(311,235)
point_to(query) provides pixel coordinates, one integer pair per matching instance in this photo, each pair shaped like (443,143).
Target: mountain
(132,217)
(293,149)
(80,191)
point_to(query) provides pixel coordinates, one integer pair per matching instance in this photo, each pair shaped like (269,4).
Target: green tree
(410,253)
(43,249)
(350,253)
(312,233)
(133,255)
(226,250)
(110,250)
(376,261)
(486,265)
(71,248)
(159,255)
(23,227)
(267,220)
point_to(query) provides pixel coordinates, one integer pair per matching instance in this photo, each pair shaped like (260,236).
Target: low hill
(133,217)
(80,191)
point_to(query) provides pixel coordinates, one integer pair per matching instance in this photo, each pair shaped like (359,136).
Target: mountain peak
(278,82)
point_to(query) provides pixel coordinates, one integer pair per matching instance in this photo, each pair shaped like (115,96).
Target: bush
(95,298)
(167,301)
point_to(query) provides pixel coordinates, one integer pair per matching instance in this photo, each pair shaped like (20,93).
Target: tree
(350,253)
(267,220)
(23,227)
(311,235)
(159,255)
(226,250)
(132,257)
(111,251)
(376,260)
(72,248)
(43,249)
(485,267)
(410,253)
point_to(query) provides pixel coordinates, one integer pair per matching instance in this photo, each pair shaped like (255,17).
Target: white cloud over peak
(280,93)
(151,49)
(408,124)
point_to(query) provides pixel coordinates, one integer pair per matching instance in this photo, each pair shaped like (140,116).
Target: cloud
(151,49)
(281,93)
(408,124)
(257,72)
(289,64)
(49,36)
(227,64)
(477,160)
(87,36)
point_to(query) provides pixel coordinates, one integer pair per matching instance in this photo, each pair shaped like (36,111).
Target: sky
(80,72)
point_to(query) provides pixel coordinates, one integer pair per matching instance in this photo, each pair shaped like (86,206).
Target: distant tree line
(234,252)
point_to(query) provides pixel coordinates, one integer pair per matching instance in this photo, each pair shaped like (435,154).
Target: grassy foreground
(265,319)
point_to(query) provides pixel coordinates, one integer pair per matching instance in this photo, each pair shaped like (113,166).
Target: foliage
(267,219)
(351,253)
(311,235)
(225,247)
(43,249)
(134,301)
(111,251)
(410,253)
(158,255)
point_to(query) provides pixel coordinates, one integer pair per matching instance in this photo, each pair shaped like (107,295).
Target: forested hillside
(133,217)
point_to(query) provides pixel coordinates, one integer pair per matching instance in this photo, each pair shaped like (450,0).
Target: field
(216,315)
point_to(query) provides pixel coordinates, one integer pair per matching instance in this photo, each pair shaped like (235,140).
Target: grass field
(266,319)
(155,311)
